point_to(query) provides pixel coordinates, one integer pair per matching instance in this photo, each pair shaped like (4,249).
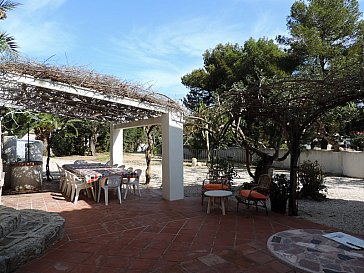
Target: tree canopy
(324,33)
(227,64)
(276,93)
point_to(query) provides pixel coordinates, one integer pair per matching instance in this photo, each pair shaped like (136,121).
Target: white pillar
(172,156)
(1,148)
(116,146)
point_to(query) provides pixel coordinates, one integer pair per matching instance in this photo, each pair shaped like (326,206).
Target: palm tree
(7,43)
(45,127)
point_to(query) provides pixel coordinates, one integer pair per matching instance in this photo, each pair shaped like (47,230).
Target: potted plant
(279,193)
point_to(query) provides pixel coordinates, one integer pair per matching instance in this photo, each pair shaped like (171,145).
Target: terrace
(154,235)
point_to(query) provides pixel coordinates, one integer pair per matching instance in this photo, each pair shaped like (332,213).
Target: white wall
(16,150)
(341,163)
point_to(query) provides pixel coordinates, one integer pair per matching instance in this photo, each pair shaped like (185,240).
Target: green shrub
(280,186)
(358,142)
(60,145)
(279,193)
(312,182)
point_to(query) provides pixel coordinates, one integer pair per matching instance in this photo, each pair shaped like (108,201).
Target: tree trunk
(93,140)
(265,162)
(148,153)
(48,173)
(207,137)
(248,163)
(295,154)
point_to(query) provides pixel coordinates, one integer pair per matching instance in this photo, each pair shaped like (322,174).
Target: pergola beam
(139,123)
(82,91)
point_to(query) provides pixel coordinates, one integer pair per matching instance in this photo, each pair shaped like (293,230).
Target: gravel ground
(343,209)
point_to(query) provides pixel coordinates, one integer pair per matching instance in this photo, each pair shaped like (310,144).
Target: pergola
(84,94)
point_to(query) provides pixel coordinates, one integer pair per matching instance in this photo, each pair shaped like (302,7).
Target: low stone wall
(26,234)
(23,176)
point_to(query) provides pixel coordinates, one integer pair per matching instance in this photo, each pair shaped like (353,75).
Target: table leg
(223,205)
(208,205)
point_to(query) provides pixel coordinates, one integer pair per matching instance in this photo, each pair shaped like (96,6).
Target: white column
(1,149)
(172,156)
(116,146)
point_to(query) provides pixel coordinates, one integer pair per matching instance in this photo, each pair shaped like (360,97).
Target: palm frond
(6,5)
(7,43)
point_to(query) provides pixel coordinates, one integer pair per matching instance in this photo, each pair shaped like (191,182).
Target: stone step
(36,231)
(9,220)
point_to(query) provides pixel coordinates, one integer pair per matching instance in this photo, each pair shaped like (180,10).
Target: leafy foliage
(358,142)
(133,138)
(324,33)
(280,186)
(227,64)
(7,42)
(15,123)
(279,193)
(312,181)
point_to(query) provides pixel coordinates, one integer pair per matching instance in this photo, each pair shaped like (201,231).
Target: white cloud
(35,5)
(191,38)
(162,55)
(34,30)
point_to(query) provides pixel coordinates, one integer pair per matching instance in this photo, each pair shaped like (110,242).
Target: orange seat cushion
(211,187)
(253,195)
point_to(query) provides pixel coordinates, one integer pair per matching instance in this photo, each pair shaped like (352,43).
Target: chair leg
(98,194)
(72,193)
(138,188)
(77,193)
(93,193)
(69,190)
(88,192)
(119,195)
(126,190)
(106,191)
(64,187)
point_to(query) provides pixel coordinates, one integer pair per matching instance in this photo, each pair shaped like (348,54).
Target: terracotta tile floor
(150,234)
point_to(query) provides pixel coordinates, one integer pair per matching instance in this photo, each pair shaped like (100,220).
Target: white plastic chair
(109,182)
(78,184)
(134,183)
(80,162)
(111,165)
(125,180)
(67,184)
(62,177)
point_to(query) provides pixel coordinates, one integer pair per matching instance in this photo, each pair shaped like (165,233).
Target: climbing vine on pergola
(77,92)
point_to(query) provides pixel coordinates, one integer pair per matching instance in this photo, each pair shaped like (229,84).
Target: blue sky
(151,42)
